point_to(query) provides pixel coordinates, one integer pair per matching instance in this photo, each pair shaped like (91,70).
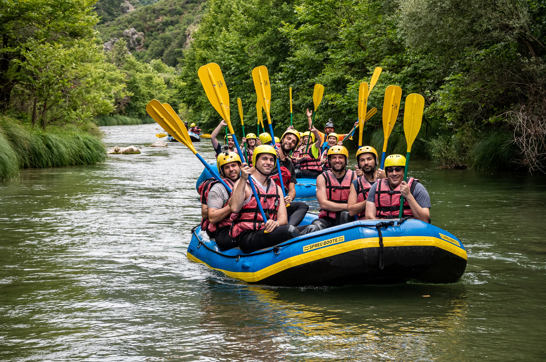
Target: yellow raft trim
(450,245)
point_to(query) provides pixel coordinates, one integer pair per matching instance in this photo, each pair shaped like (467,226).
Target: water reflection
(338,323)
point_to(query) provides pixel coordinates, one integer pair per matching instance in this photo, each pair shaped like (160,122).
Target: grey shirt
(218,196)
(419,193)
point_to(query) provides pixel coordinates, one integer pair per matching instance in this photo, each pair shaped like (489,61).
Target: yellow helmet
(261,149)
(192,125)
(307,133)
(395,160)
(265,138)
(338,150)
(291,131)
(366,149)
(277,139)
(224,158)
(251,136)
(332,134)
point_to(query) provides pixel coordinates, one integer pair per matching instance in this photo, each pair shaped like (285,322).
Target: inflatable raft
(305,188)
(360,252)
(194,137)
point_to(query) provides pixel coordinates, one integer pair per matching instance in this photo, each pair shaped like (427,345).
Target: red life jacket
(248,156)
(286,176)
(387,201)
(336,192)
(249,217)
(309,162)
(295,154)
(363,187)
(204,190)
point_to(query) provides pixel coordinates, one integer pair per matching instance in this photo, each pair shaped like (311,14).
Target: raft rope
(276,249)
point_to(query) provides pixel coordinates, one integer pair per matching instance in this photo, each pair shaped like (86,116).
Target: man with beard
(366,158)
(229,140)
(383,200)
(248,227)
(296,210)
(333,191)
(216,197)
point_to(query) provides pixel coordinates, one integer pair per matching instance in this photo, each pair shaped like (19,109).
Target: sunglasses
(395,168)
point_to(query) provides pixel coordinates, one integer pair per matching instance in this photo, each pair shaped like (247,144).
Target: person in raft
(295,210)
(308,159)
(250,141)
(367,172)
(215,196)
(331,140)
(383,200)
(194,128)
(333,191)
(229,140)
(248,228)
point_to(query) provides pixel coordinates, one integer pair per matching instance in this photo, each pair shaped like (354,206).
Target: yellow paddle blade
(391,106)
(176,122)
(156,111)
(371,113)
(205,135)
(362,106)
(160,135)
(290,92)
(215,87)
(375,76)
(318,92)
(259,113)
(260,76)
(413,117)
(240,105)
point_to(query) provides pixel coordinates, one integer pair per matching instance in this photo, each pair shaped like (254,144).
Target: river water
(93,266)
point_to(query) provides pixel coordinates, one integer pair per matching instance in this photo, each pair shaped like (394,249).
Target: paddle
(291,114)
(260,76)
(391,106)
(259,116)
(240,107)
(318,92)
(369,115)
(160,135)
(413,116)
(176,121)
(375,77)
(362,105)
(162,116)
(212,79)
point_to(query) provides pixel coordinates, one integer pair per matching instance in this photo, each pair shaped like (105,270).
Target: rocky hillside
(152,29)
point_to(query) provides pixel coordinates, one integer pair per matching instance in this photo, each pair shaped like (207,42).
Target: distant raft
(305,188)
(194,136)
(360,252)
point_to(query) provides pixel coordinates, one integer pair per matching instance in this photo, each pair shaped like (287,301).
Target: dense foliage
(479,64)
(158,31)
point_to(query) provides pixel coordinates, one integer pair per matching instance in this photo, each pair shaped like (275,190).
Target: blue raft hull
(305,188)
(360,252)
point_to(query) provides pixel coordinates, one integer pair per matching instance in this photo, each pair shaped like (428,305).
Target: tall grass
(26,147)
(118,120)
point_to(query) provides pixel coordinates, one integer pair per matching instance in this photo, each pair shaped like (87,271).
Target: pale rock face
(135,39)
(127,7)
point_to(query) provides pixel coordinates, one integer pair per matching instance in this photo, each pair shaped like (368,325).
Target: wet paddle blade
(375,76)
(215,87)
(362,107)
(391,106)
(155,109)
(318,92)
(413,117)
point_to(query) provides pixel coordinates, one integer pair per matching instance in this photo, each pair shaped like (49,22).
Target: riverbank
(23,147)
